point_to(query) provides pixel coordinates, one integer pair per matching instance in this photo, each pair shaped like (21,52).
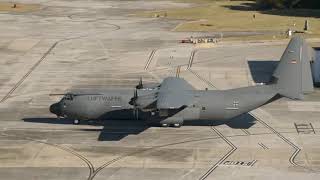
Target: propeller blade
(134,98)
(137,114)
(136,93)
(140,85)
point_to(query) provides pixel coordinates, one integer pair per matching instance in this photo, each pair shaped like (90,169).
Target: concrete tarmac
(66,45)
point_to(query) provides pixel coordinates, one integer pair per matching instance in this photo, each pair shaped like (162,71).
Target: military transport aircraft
(175,101)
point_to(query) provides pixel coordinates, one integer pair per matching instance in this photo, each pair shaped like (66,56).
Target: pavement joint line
(92,171)
(95,172)
(117,27)
(263,146)
(202,79)
(69,150)
(193,52)
(297,149)
(29,72)
(150,59)
(234,148)
(231,151)
(246,131)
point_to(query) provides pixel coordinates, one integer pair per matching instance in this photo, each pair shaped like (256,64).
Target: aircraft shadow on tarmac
(115,130)
(244,121)
(261,71)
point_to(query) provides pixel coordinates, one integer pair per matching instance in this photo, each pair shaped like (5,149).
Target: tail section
(293,76)
(315,66)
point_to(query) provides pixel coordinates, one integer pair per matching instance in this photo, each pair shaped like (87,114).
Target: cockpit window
(68,97)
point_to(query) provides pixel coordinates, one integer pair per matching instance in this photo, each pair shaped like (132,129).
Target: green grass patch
(21,8)
(237,16)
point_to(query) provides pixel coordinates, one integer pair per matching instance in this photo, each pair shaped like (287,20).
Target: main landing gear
(176,125)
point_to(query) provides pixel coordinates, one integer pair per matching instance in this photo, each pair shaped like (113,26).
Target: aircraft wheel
(164,125)
(76,121)
(176,125)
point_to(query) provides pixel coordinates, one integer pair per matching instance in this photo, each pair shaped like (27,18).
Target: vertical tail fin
(293,75)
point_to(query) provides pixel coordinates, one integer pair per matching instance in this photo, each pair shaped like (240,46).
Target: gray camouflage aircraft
(175,101)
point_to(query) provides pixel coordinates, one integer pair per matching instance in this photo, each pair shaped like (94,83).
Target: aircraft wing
(174,93)
(147,99)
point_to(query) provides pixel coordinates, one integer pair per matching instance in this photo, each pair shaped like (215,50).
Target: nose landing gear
(76,122)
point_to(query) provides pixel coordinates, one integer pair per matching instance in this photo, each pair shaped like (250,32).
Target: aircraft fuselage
(205,105)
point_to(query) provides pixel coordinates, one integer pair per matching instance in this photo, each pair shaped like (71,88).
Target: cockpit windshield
(68,97)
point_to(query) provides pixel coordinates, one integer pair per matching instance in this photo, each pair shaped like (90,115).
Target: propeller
(134,98)
(133,102)
(140,85)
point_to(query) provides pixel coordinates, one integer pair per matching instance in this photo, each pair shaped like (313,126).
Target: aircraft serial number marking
(104,98)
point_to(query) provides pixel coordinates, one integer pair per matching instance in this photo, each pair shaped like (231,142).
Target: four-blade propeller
(133,102)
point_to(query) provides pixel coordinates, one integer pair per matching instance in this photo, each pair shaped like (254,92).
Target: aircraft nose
(55,109)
